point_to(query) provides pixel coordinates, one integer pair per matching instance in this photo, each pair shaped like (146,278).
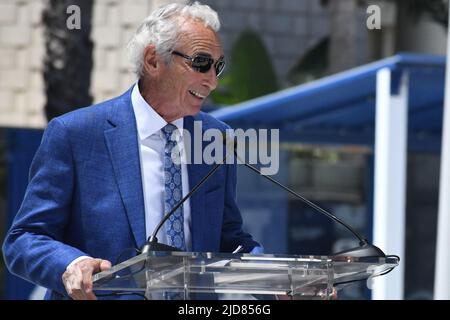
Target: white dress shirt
(151,151)
(151,155)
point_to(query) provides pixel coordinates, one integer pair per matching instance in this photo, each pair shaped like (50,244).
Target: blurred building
(288,28)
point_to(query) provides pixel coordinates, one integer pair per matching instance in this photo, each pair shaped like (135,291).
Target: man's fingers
(97,265)
(101,265)
(105,265)
(89,295)
(72,279)
(78,294)
(334,295)
(67,285)
(87,278)
(78,278)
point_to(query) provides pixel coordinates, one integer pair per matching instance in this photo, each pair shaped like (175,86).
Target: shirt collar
(148,121)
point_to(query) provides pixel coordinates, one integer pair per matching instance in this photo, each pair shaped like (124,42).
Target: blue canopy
(340,109)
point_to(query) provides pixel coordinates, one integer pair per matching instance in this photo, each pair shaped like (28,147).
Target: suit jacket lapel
(197,201)
(121,140)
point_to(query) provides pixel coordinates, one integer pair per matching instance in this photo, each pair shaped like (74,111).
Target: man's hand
(78,278)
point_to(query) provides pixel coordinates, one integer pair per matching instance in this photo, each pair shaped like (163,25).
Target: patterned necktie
(173,188)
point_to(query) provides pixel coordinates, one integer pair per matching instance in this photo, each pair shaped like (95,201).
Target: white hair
(162,29)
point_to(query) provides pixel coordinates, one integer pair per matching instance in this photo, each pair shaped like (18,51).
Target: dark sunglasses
(202,62)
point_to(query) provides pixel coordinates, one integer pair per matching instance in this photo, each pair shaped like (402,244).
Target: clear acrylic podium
(188,274)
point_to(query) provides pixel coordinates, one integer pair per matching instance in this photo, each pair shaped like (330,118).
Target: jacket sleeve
(33,248)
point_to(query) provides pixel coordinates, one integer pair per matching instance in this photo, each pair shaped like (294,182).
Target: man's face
(183,89)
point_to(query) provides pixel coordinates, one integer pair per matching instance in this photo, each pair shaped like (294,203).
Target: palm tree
(68,60)
(438,9)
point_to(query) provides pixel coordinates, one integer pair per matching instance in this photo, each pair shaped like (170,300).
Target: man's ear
(151,60)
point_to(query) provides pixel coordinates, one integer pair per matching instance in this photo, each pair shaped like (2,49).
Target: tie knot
(168,130)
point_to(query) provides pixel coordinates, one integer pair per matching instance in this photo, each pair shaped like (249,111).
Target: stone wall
(114,23)
(22,96)
(21,51)
(288,29)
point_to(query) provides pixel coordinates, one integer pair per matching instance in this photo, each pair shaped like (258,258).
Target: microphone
(365,249)
(152,243)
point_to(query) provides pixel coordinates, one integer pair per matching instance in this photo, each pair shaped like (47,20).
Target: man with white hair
(103,177)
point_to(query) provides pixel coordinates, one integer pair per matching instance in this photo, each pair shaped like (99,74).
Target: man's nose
(211,78)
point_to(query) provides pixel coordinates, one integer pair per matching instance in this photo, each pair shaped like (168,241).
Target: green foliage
(437,9)
(311,66)
(251,73)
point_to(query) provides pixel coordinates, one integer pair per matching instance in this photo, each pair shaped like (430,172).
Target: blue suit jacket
(85,196)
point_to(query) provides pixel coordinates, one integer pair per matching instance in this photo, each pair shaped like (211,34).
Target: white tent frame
(442,268)
(390,179)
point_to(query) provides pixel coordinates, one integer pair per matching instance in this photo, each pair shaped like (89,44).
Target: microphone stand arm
(152,244)
(365,249)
